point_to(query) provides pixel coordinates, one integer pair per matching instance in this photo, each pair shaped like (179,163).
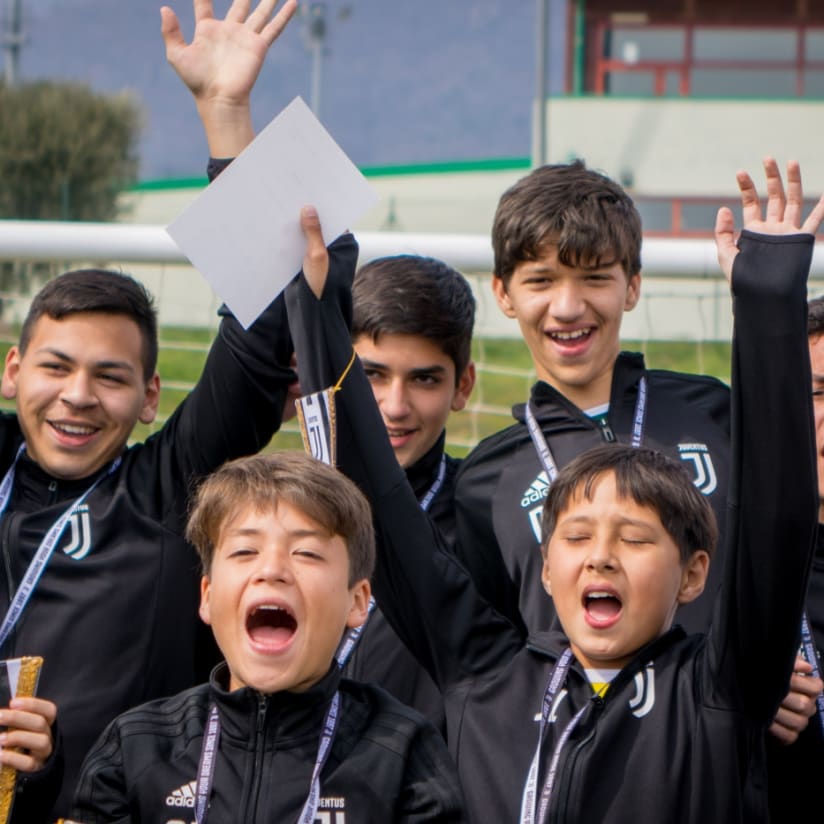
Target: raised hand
(222,62)
(783,215)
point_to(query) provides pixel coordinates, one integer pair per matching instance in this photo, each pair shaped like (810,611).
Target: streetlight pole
(539,128)
(12,41)
(315,30)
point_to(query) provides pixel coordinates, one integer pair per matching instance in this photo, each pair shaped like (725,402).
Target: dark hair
(411,295)
(97,290)
(815,317)
(647,477)
(260,481)
(589,217)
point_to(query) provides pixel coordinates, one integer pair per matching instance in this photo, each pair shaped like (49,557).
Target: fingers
(795,197)
(725,240)
(203,10)
(784,734)
(259,17)
(750,204)
(776,201)
(814,219)
(278,23)
(170,29)
(238,11)
(27,743)
(316,259)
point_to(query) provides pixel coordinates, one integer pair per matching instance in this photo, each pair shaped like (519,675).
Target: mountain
(402,82)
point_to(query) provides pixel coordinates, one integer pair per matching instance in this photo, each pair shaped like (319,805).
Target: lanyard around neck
(208,756)
(529,799)
(541,444)
(44,551)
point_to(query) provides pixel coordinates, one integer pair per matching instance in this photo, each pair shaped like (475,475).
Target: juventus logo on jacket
(77,539)
(699,456)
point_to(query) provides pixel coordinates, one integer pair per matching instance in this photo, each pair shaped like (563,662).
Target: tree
(66,153)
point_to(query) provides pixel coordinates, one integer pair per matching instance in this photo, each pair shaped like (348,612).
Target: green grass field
(505,376)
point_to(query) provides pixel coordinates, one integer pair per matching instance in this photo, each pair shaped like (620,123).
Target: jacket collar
(286,715)
(551,407)
(551,643)
(422,474)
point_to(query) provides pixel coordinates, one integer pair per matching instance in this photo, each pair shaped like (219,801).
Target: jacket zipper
(260,741)
(559,811)
(606,431)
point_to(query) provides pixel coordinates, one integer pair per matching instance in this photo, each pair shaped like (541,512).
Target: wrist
(227,125)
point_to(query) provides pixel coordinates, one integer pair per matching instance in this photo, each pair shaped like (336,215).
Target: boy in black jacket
(114,611)
(567,244)
(412,327)
(277,735)
(676,733)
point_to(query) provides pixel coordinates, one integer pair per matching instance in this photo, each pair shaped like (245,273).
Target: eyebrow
(57,353)
(420,370)
(243,532)
(588,519)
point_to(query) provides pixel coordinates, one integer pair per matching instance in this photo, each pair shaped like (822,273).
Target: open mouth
(271,626)
(602,607)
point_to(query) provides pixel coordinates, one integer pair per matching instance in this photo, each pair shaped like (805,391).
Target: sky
(402,82)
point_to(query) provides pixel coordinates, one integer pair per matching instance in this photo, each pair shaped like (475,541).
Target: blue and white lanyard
(528,800)
(347,646)
(811,656)
(208,756)
(44,551)
(542,446)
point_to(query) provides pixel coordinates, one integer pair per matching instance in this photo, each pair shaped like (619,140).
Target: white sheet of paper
(243,231)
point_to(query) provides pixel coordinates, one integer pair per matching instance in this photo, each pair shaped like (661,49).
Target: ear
(545,577)
(466,383)
(203,610)
(694,576)
(361,592)
(8,387)
(633,292)
(501,295)
(151,398)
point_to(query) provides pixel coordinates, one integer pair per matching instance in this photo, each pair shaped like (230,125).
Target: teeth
(271,607)
(600,595)
(575,335)
(69,429)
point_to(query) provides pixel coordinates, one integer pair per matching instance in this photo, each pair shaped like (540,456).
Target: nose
(393,401)
(567,301)
(601,557)
(77,390)
(274,567)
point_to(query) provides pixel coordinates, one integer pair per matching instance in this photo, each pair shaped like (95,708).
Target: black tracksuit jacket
(116,622)
(386,765)
(380,657)
(795,771)
(501,485)
(679,735)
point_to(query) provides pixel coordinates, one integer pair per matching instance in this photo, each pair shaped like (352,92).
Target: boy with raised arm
(567,245)
(618,715)
(412,327)
(277,735)
(98,579)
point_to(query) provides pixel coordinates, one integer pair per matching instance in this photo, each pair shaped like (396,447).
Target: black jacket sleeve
(772,499)
(423,591)
(234,409)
